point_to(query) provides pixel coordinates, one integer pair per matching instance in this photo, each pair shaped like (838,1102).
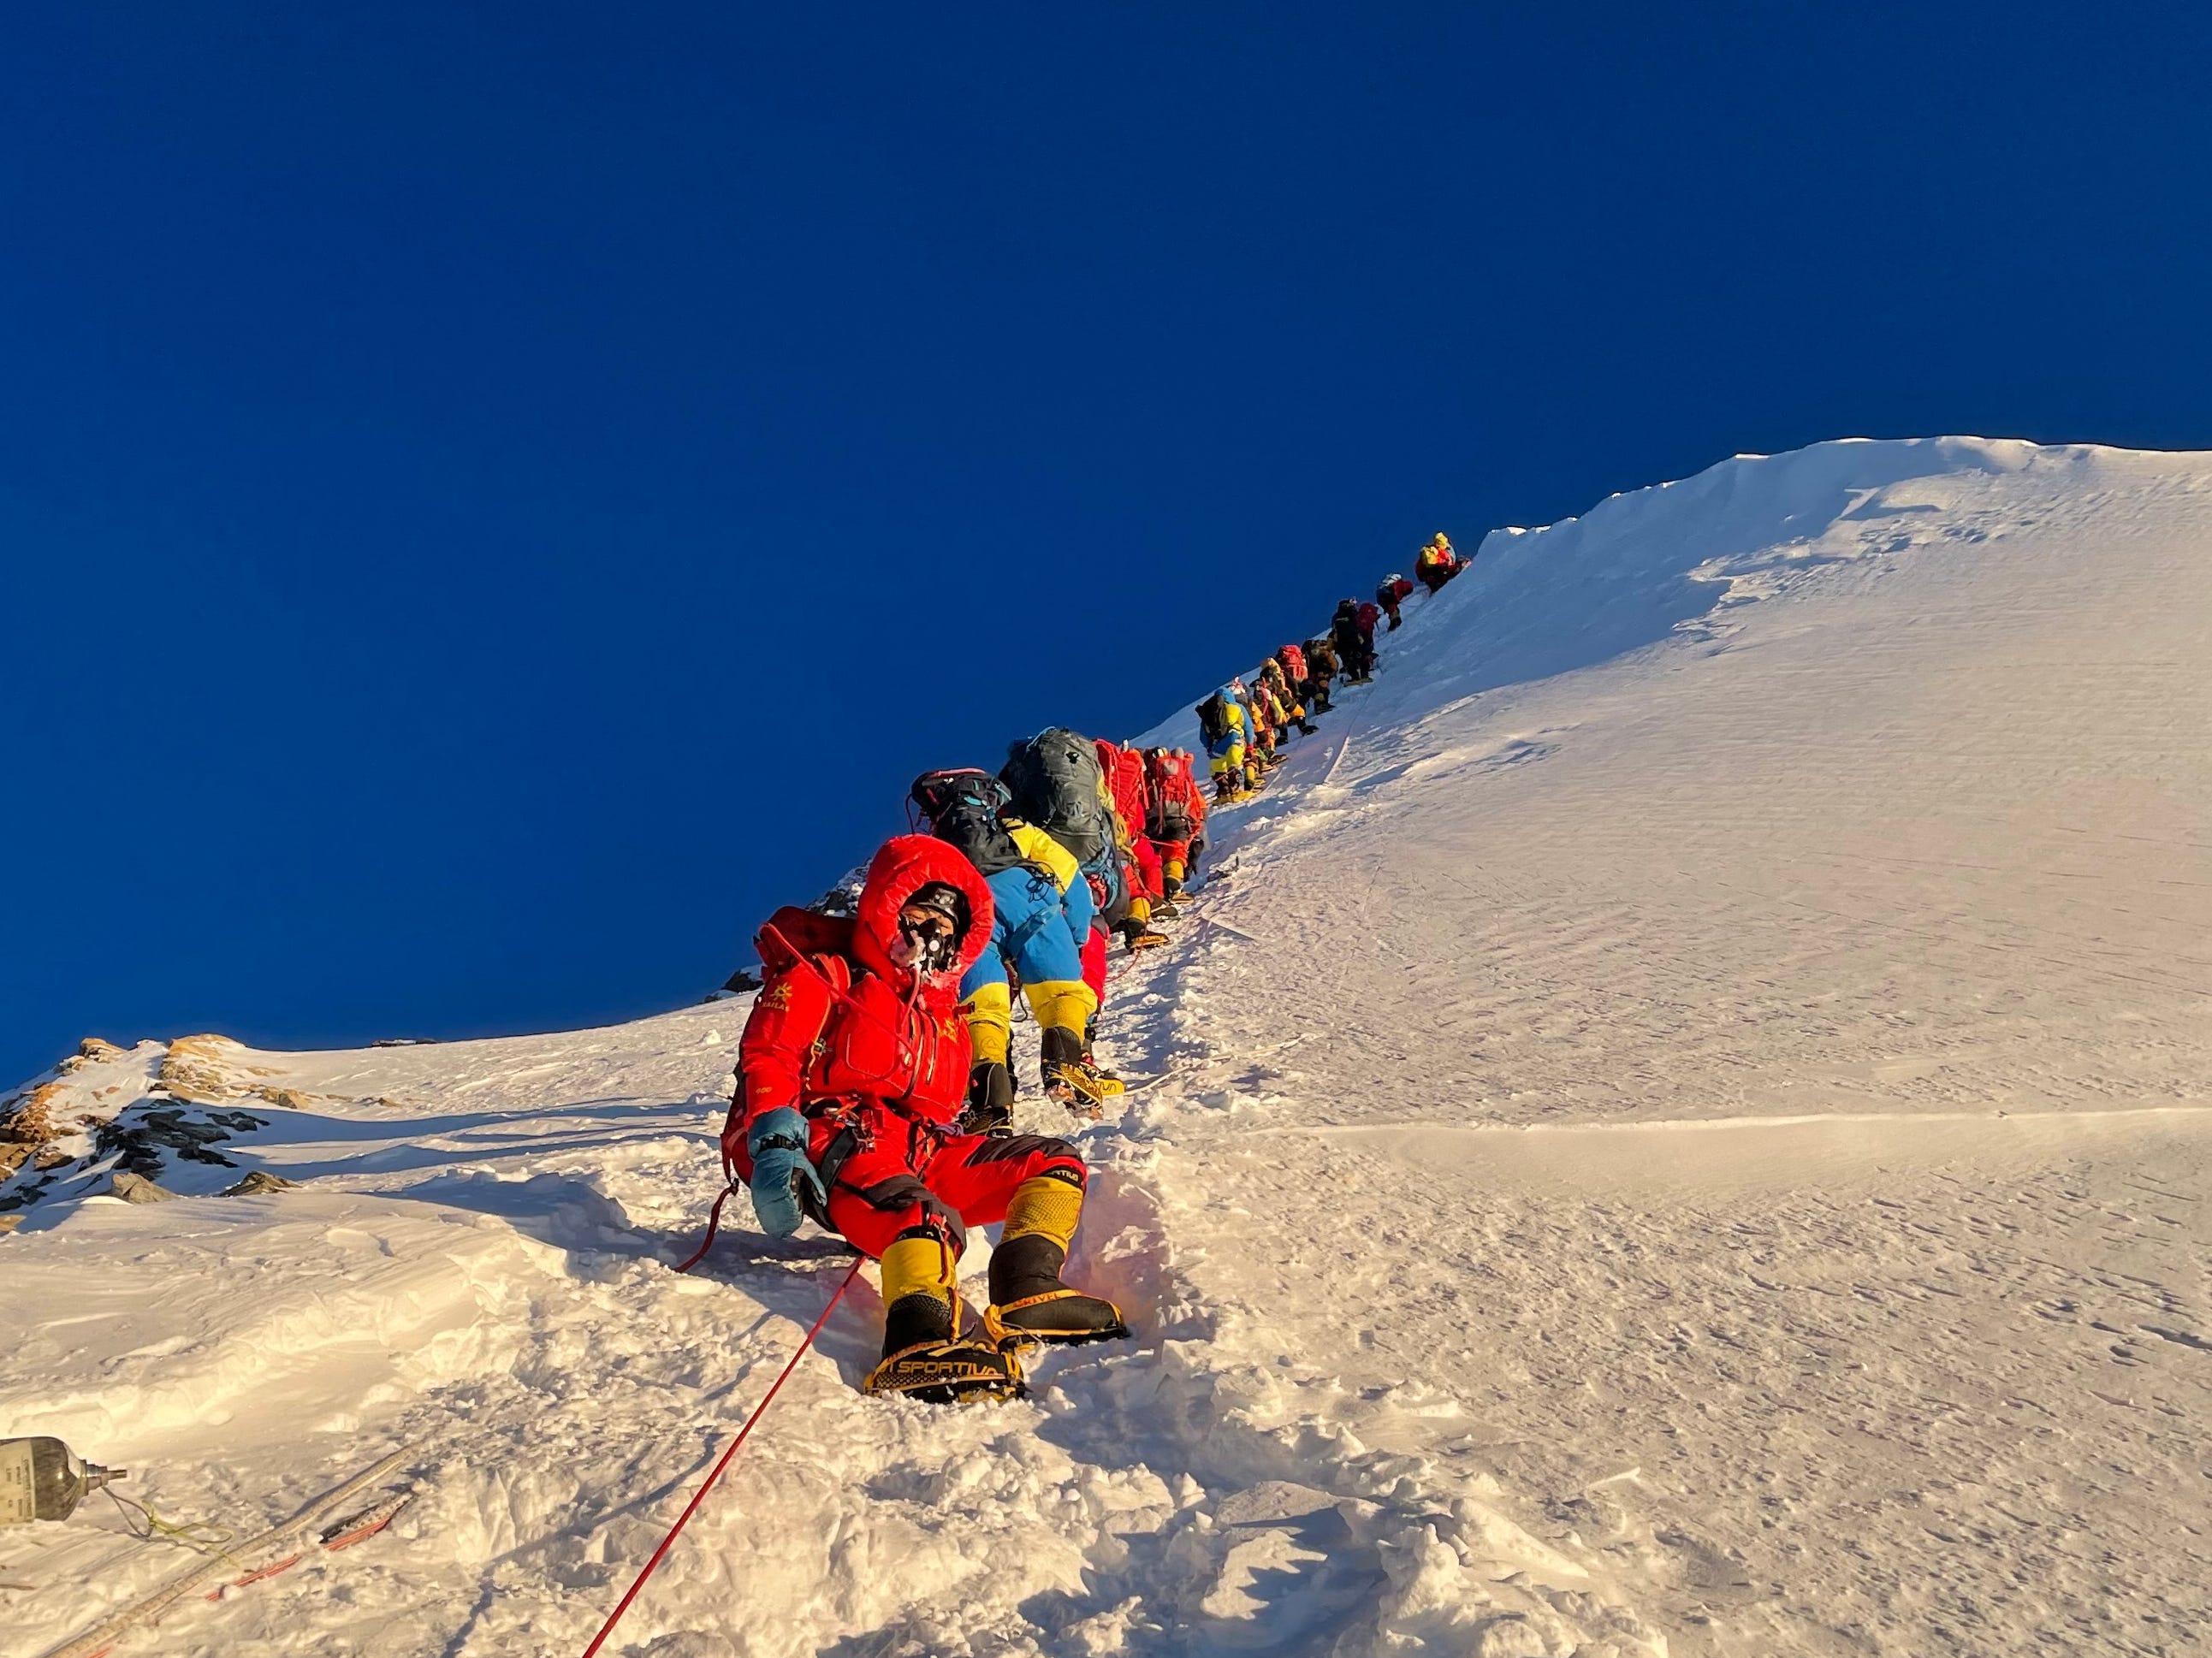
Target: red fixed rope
(735,1445)
(713,1225)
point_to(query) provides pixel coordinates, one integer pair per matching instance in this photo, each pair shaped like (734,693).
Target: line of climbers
(1244,726)
(875,1086)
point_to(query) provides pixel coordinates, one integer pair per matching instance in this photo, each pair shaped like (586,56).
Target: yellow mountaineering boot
(1073,1080)
(1028,1304)
(924,1355)
(1138,931)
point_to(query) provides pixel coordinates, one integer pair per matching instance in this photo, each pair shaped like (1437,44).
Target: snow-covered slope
(1686,1131)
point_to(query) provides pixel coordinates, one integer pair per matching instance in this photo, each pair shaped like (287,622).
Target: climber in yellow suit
(1278,685)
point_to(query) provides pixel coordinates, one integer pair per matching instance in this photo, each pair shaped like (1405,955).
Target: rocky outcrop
(146,1136)
(154,1111)
(30,1119)
(209,1069)
(136,1188)
(257,1184)
(93,1051)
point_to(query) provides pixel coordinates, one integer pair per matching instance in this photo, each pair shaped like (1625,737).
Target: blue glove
(782,1170)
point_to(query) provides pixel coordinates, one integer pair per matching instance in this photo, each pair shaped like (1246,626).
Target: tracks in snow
(1718,1153)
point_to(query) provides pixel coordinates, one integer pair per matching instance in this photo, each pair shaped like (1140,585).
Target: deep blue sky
(493,499)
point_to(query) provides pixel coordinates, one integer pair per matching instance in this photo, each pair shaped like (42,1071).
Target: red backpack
(786,941)
(1294,663)
(1167,795)
(792,932)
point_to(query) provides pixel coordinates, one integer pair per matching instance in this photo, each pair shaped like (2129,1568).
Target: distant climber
(1394,591)
(1437,563)
(1124,772)
(1259,756)
(1175,816)
(1226,729)
(1355,644)
(1287,701)
(1321,669)
(854,1065)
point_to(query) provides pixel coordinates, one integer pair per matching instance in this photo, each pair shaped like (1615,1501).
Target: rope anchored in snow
(713,1224)
(721,1462)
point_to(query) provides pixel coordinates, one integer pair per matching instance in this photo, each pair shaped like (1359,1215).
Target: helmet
(943,897)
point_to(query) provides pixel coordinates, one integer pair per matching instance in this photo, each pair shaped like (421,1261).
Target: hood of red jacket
(905,864)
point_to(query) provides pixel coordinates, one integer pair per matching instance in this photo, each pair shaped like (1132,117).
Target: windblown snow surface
(1686,1131)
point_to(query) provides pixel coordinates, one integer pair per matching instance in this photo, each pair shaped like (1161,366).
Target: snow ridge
(1683,1132)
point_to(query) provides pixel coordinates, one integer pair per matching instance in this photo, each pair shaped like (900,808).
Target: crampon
(951,1372)
(1083,1089)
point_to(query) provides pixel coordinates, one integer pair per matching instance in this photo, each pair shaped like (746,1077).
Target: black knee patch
(907,1192)
(1067,1163)
(899,1191)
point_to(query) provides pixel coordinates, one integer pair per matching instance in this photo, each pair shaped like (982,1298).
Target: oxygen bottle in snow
(41,1478)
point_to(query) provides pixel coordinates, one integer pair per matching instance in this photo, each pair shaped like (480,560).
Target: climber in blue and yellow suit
(1044,910)
(1228,741)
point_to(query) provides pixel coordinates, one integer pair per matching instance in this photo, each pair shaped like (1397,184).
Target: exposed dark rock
(140,1136)
(256,1183)
(135,1188)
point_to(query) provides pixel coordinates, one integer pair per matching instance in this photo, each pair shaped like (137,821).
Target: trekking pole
(715,1474)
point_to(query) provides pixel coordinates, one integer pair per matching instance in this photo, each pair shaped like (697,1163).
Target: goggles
(922,920)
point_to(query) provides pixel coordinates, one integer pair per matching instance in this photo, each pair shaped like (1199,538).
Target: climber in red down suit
(854,1066)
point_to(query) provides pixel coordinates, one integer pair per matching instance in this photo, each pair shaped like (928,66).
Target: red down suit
(876,1058)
